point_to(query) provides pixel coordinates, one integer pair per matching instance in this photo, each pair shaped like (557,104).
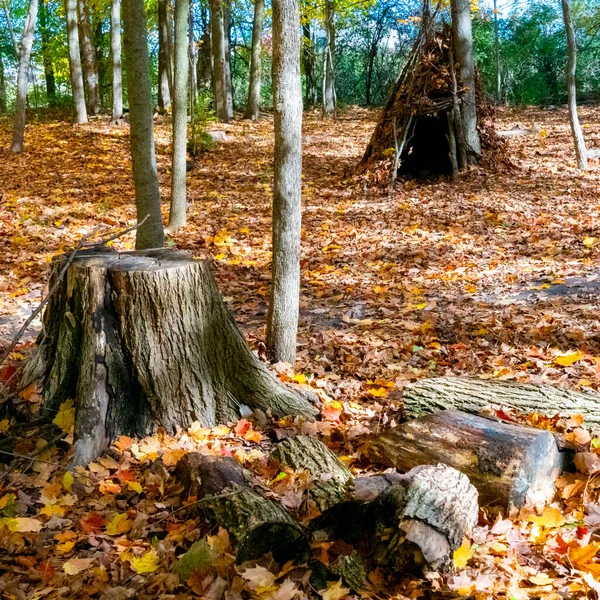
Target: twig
(117,235)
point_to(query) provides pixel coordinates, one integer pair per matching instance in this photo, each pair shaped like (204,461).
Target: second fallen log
(510,465)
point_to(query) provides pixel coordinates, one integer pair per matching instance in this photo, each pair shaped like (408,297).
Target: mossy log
(510,465)
(473,395)
(144,340)
(255,524)
(331,478)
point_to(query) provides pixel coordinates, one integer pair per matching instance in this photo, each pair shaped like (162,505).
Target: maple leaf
(22,524)
(93,522)
(550,517)
(67,481)
(259,579)
(568,359)
(119,524)
(335,591)
(65,417)
(75,565)
(148,563)
(463,554)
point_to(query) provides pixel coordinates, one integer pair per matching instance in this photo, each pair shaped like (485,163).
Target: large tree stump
(473,395)
(256,525)
(510,465)
(142,340)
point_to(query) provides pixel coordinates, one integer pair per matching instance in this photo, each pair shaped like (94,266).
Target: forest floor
(493,276)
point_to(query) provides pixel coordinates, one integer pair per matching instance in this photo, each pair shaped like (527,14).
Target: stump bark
(142,340)
(510,465)
(255,524)
(473,395)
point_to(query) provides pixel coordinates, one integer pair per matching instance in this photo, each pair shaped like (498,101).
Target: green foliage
(198,139)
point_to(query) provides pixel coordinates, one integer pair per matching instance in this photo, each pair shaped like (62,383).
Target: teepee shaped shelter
(420,132)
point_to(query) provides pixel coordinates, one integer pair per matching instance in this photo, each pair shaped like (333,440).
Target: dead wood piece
(510,465)
(255,524)
(473,395)
(331,477)
(144,340)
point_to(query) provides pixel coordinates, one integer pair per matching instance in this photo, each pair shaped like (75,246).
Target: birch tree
(117,70)
(75,62)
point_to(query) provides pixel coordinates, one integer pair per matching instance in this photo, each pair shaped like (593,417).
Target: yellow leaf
(22,525)
(299,378)
(551,517)
(68,481)
(6,500)
(463,554)
(379,392)
(588,242)
(335,591)
(470,288)
(379,289)
(147,563)
(76,565)
(566,360)
(541,579)
(136,486)
(65,418)
(119,524)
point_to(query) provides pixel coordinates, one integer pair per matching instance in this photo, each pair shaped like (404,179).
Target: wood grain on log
(473,395)
(255,524)
(510,465)
(144,340)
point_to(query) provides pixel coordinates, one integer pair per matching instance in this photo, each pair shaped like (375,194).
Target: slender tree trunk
(75,62)
(180,89)
(88,53)
(463,46)
(191,57)
(308,61)
(497,53)
(2,87)
(101,61)
(23,77)
(370,67)
(580,149)
(253,104)
(282,323)
(165,75)
(222,107)
(11,31)
(46,57)
(147,194)
(204,62)
(228,74)
(117,71)
(328,66)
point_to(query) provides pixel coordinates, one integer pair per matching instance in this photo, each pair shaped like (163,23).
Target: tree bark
(256,525)
(180,89)
(11,31)
(497,53)
(308,62)
(117,71)
(204,63)
(510,465)
(192,89)
(75,62)
(46,57)
(144,340)
(23,78)
(282,320)
(474,395)
(150,234)
(329,99)
(580,149)
(165,60)
(463,47)
(227,41)
(88,52)
(2,87)
(222,108)
(253,104)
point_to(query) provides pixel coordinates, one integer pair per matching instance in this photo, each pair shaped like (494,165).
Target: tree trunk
(46,56)
(282,325)
(332,479)
(144,340)
(256,525)
(75,62)
(204,63)
(147,194)
(165,73)
(308,62)
(463,47)
(580,150)
(191,59)
(328,66)
(497,53)
(474,395)
(115,47)
(510,465)
(23,77)
(180,90)
(227,36)
(370,67)
(253,104)
(2,87)
(11,31)
(222,108)
(88,52)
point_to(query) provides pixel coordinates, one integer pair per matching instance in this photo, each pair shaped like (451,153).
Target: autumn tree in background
(223,100)
(2,86)
(165,55)
(150,234)
(75,62)
(253,104)
(180,98)
(282,325)
(580,149)
(115,47)
(46,54)
(23,77)
(463,44)
(88,55)
(329,99)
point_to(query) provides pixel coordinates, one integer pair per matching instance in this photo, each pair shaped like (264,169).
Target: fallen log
(510,465)
(144,340)
(225,498)
(473,395)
